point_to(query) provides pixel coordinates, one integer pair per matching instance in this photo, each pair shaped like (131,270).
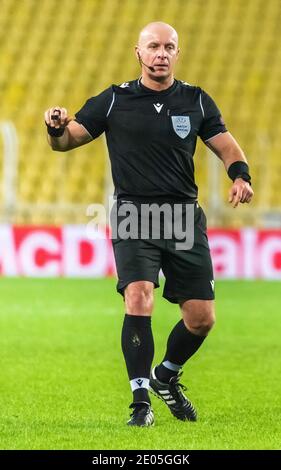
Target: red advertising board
(67,251)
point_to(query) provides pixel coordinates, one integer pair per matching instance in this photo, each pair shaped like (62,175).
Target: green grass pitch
(64,383)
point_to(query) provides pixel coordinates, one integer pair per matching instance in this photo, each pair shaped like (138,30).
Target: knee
(139,298)
(201,326)
(199,318)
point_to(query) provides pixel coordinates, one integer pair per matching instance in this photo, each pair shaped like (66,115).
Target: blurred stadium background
(54,361)
(61,53)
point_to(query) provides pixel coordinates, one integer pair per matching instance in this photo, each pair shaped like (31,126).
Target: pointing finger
(237,198)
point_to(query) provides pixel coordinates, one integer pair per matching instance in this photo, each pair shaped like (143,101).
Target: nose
(161,53)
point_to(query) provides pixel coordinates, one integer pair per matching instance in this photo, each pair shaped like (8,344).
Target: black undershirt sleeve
(212,123)
(93,115)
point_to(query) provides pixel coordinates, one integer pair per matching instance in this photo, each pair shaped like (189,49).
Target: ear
(178,53)
(137,52)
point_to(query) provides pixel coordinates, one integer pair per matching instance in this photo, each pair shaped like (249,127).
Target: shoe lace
(176,388)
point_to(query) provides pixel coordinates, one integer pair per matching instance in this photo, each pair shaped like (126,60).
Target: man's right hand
(76,135)
(57,117)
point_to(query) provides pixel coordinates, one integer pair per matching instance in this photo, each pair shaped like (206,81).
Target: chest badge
(158,107)
(181,125)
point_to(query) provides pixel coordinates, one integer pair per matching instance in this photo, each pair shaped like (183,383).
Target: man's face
(158,48)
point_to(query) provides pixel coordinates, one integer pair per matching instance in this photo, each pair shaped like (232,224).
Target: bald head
(157,28)
(157,52)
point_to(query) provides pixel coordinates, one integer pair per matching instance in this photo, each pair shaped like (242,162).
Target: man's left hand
(240,191)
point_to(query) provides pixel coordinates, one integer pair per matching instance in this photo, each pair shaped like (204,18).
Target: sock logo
(139,382)
(136,340)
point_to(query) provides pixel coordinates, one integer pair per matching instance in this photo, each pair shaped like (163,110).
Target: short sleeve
(212,123)
(93,115)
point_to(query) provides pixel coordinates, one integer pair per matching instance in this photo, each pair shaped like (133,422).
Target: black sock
(181,345)
(138,350)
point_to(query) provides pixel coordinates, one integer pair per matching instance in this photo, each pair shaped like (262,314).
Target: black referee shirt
(151,136)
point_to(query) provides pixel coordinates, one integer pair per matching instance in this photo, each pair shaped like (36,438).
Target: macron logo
(139,382)
(212,285)
(158,107)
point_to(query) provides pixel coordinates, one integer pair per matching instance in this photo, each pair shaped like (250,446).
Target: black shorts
(188,272)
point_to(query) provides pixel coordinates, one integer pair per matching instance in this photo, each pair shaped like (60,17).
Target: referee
(151,127)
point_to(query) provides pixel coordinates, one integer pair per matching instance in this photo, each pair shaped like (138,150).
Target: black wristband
(239,169)
(54,131)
